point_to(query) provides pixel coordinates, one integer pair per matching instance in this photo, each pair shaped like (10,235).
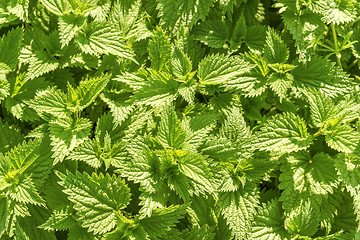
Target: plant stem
(337,52)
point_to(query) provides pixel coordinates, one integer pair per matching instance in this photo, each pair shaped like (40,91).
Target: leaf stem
(337,51)
(319,132)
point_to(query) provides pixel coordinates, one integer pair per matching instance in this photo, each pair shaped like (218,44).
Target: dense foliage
(179,119)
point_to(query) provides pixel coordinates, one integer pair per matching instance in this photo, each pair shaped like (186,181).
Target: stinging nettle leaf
(98,199)
(255,37)
(280,83)
(57,7)
(69,26)
(343,139)
(66,134)
(321,108)
(303,221)
(102,38)
(130,19)
(159,89)
(87,91)
(175,13)
(32,158)
(212,32)
(218,69)
(336,12)
(239,208)
(60,220)
(159,50)
(194,167)
(238,34)
(268,222)
(321,75)
(50,101)
(315,174)
(161,220)
(171,133)
(284,134)
(275,50)
(88,152)
(10,46)
(10,136)
(181,64)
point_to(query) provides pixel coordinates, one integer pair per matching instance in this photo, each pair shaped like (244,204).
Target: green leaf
(343,139)
(255,37)
(76,232)
(69,26)
(31,158)
(322,75)
(324,111)
(268,222)
(159,89)
(345,218)
(57,7)
(106,125)
(130,20)
(46,55)
(321,108)
(181,65)
(170,133)
(5,214)
(234,127)
(303,221)
(195,168)
(10,136)
(347,109)
(284,134)
(336,12)
(159,50)
(50,101)
(22,90)
(13,213)
(197,128)
(315,174)
(227,5)
(95,153)
(26,228)
(89,89)
(60,220)
(217,69)
(10,46)
(238,34)
(23,190)
(306,28)
(239,208)
(119,108)
(212,32)
(280,83)
(4,84)
(175,13)
(66,134)
(162,220)
(97,199)
(88,152)
(102,38)
(275,50)
(145,170)
(197,233)
(349,173)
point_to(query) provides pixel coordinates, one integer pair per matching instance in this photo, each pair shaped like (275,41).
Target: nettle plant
(179,119)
